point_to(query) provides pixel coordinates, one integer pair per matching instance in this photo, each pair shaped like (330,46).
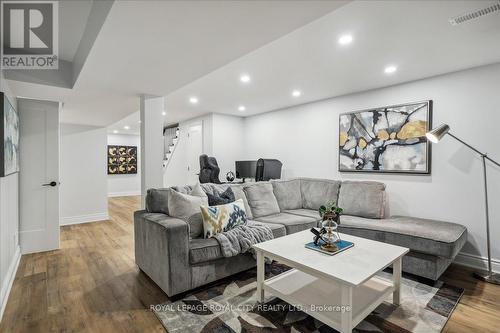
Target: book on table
(341,246)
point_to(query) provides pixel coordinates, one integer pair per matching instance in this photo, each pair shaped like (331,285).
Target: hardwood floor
(92,285)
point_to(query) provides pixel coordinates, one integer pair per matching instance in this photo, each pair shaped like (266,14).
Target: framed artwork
(9,137)
(122,160)
(387,139)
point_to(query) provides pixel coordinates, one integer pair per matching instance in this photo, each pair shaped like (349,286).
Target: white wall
(305,139)
(84,183)
(123,185)
(176,172)
(9,222)
(222,138)
(227,142)
(151,113)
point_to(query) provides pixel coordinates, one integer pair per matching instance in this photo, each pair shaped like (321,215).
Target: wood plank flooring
(92,285)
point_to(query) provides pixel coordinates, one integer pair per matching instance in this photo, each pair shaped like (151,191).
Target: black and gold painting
(122,160)
(386,139)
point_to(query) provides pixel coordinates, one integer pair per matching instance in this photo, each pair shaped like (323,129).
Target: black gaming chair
(209,170)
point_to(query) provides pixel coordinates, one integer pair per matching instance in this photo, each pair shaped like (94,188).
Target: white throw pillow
(185,206)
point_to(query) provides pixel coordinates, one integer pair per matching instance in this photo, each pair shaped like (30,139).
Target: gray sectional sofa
(174,254)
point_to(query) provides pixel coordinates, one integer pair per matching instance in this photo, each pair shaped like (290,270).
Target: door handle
(52,183)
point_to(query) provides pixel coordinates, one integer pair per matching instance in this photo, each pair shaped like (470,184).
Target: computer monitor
(245,169)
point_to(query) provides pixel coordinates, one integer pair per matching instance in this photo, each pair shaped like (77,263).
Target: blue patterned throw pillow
(217,219)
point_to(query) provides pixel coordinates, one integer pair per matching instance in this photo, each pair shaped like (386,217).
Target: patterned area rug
(230,307)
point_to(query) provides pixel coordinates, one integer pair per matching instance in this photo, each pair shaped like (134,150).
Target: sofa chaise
(174,254)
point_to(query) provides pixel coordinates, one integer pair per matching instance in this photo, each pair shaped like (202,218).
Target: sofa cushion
(438,238)
(316,192)
(261,199)
(293,223)
(278,230)
(305,212)
(217,219)
(365,199)
(240,194)
(207,249)
(287,193)
(203,250)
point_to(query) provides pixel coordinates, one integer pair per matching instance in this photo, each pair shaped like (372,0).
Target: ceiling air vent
(474,15)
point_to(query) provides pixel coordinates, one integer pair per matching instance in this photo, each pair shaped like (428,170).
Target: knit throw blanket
(241,238)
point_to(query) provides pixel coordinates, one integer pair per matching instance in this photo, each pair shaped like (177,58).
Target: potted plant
(330,213)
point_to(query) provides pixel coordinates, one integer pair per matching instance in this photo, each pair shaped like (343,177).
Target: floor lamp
(435,136)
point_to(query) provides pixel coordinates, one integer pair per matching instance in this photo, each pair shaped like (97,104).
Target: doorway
(38,175)
(194,148)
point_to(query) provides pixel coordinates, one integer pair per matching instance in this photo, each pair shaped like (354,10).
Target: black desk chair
(209,170)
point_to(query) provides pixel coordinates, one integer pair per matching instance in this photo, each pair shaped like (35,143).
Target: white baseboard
(84,218)
(475,261)
(9,280)
(124,194)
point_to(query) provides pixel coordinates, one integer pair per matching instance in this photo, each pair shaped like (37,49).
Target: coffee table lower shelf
(321,298)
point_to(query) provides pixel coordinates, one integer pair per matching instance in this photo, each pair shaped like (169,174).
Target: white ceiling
(156,47)
(413,35)
(183,49)
(132,122)
(73,16)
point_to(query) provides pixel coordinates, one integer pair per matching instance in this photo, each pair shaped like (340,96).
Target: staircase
(171,138)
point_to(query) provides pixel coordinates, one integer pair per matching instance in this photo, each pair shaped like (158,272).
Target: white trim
(124,194)
(9,280)
(476,261)
(84,218)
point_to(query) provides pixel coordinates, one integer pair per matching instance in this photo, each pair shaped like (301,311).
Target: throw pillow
(218,198)
(217,219)
(196,190)
(187,207)
(239,193)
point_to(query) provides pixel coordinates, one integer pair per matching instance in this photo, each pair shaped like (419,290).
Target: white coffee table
(339,290)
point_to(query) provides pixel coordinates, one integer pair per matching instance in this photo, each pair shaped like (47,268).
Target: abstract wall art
(9,137)
(387,139)
(122,160)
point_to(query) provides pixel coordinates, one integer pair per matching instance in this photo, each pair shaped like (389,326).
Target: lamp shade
(437,134)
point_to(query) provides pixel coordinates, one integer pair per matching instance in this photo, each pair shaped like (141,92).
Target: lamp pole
(485,276)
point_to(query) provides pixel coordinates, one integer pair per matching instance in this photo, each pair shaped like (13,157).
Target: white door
(194,150)
(39,175)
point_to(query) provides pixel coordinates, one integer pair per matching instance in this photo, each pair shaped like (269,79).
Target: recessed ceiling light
(241,108)
(193,100)
(126,127)
(163,113)
(115,131)
(139,121)
(390,69)
(345,39)
(296,93)
(245,78)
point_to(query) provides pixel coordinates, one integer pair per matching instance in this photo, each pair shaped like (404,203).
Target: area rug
(230,306)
